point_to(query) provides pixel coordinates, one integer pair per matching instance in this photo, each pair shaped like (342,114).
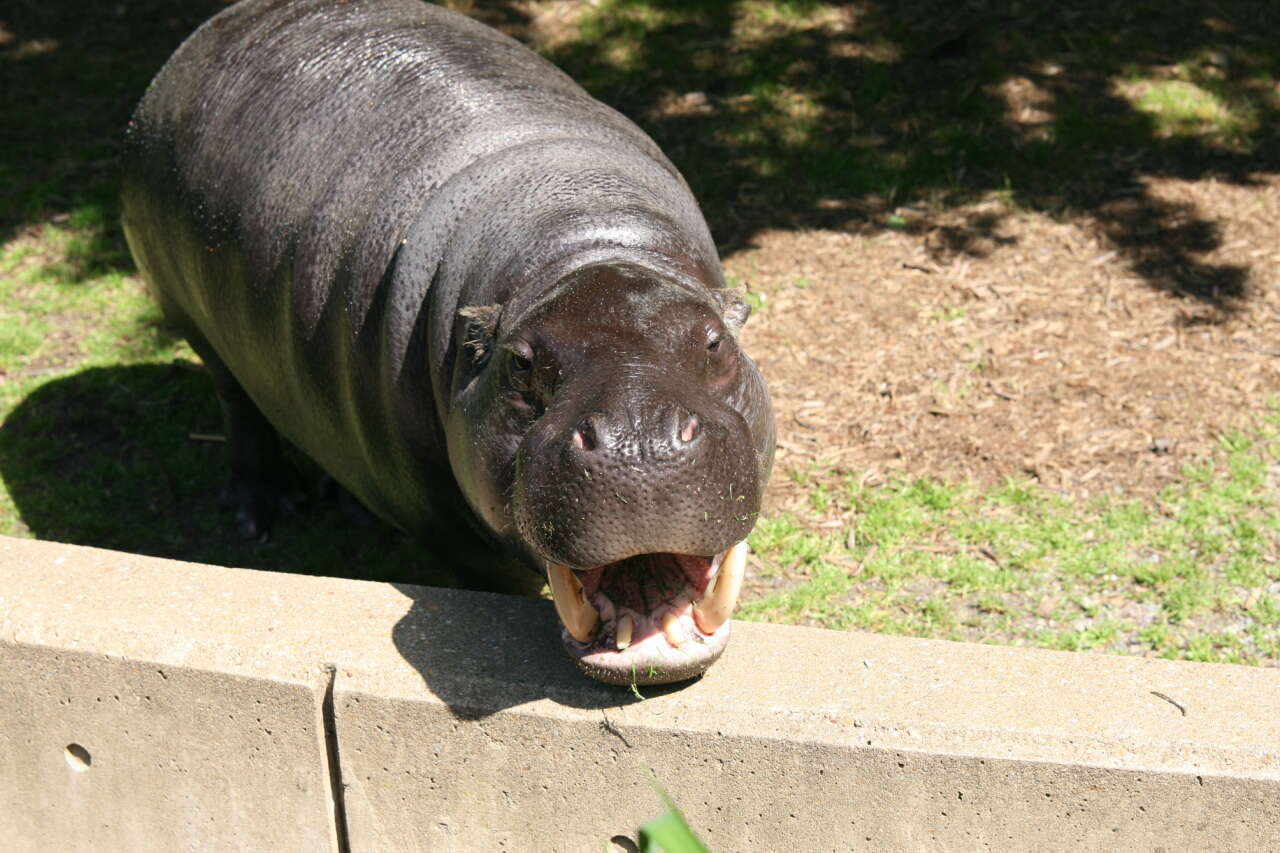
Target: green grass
(1193,574)
(1184,109)
(669,832)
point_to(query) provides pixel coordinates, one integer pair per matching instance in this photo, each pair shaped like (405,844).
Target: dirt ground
(1038,353)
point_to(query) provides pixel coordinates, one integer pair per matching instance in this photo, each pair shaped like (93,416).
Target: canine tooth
(624,631)
(577,614)
(717,604)
(671,627)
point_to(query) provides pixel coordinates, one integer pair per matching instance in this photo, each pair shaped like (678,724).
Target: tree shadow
(873,115)
(70,76)
(785,116)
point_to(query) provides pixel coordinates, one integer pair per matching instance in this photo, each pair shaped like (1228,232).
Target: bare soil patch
(1035,351)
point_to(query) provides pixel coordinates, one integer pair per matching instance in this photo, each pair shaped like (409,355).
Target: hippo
(486,304)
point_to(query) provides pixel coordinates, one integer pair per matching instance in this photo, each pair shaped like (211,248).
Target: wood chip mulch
(1038,349)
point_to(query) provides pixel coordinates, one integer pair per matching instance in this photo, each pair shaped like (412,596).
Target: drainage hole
(78,757)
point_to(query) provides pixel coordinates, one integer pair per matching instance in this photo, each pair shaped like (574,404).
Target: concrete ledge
(134,717)
(456,723)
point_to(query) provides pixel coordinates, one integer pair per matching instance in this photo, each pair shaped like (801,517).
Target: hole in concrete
(78,757)
(623,844)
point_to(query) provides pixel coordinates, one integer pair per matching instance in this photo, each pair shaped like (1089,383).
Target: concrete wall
(225,709)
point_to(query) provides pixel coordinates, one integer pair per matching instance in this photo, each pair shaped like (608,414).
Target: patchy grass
(64,299)
(1179,107)
(1193,574)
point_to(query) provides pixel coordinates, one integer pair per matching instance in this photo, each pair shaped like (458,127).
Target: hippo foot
(257,504)
(651,619)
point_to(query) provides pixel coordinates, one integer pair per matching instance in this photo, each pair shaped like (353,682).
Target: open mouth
(649,619)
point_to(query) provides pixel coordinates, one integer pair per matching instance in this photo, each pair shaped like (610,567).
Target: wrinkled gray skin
(484,302)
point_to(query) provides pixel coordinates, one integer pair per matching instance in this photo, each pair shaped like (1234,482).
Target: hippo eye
(714,344)
(521,355)
(520,365)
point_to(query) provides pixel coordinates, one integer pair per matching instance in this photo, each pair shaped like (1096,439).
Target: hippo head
(616,436)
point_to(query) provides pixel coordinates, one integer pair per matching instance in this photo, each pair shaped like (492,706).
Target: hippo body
(484,302)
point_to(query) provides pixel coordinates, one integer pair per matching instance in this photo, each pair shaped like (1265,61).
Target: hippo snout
(640,509)
(636,479)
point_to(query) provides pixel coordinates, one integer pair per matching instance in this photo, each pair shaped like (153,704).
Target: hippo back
(314,189)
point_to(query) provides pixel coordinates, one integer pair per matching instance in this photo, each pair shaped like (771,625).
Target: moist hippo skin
(484,302)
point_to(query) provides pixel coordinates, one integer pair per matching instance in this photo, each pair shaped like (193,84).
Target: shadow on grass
(877,114)
(791,114)
(70,76)
(104,458)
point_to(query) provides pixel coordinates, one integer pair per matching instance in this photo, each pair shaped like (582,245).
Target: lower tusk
(623,634)
(717,604)
(671,627)
(579,617)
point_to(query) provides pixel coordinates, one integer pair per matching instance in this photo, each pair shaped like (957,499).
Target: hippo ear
(734,306)
(479,327)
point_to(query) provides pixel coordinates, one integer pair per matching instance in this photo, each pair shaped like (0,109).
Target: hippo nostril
(689,430)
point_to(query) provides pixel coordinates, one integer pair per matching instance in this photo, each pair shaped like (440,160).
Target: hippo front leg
(259,488)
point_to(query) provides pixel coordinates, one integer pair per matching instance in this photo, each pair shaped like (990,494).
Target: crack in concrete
(337,790)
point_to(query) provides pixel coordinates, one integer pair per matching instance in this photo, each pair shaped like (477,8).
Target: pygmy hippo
(481,300)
